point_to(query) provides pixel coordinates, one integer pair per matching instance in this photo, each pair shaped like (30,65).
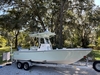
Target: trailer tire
(19,65)
(96,66)
(26,66)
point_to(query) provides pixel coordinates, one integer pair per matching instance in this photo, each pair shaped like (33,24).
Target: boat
(44,53)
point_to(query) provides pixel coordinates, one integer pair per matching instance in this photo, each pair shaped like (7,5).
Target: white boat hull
(63,56)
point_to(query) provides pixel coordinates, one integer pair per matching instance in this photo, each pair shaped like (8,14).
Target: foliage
(72,21)
(98,41)
(3,41)
(24,39)
(95,54)
(5,3)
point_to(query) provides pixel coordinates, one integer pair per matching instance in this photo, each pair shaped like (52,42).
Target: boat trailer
(96,66)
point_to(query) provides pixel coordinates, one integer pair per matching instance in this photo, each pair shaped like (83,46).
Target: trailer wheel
(26,66)
(19,65)
(96,66)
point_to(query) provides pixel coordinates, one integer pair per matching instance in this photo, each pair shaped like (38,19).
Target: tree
(13,21)
(78,20)
(61,17)
(34,8)
(59,14)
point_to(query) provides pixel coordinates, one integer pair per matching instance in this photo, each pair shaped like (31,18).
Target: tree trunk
(61,24)
(85,42)
(16,38)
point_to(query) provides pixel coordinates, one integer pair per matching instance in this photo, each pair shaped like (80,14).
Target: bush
(3,41)
(27,45)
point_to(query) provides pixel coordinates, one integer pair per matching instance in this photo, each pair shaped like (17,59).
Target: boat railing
(34,48)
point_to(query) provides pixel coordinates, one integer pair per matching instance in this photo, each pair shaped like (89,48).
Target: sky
(97,2)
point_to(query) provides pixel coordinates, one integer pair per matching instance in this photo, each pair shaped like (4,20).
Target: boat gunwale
(73,49)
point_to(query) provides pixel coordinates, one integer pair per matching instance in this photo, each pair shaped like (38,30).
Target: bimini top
(45,34)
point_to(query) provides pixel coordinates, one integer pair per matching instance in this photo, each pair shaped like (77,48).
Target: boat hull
(62,56)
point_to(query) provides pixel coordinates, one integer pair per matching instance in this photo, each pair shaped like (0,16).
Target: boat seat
(44,47)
